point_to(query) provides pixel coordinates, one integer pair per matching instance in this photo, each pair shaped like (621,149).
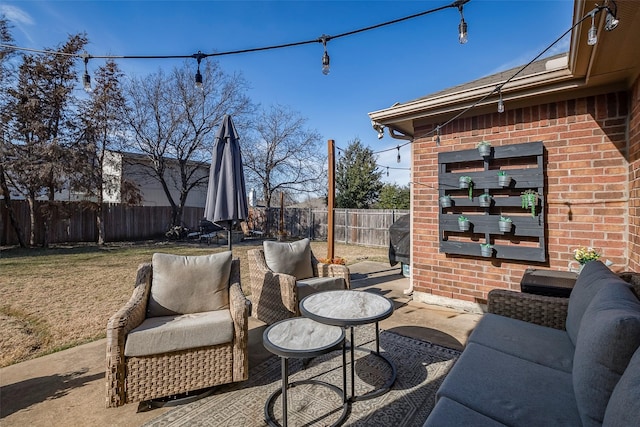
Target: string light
(500,103)
(398,158)
(462,27)
(517,73)
(323,39)
(438,136)
(199,57)
(86,79)
(325,57)
(592,35)
(387,170)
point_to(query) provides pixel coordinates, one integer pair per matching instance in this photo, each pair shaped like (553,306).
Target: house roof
(612,64)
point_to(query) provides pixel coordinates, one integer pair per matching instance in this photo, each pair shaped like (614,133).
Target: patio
(68,387)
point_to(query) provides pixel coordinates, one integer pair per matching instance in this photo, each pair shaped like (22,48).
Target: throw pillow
(593,277)
(292,258)
(189,284)
(608,337)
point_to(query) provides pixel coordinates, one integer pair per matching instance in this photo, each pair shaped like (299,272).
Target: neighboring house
(122,167)
(584,108)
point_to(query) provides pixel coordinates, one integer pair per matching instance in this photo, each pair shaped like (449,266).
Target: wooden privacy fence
(368,227)
(75,222)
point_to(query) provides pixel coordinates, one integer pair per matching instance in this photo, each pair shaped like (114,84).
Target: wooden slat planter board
(524,163)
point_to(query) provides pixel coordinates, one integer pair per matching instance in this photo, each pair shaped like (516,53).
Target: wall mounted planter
(484,148)
(486,250)
(505,225)
(446,202)
(484,200)
(464,224)
(519,167)
(504,180)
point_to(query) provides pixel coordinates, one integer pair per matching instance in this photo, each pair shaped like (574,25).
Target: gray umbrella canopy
(226,194)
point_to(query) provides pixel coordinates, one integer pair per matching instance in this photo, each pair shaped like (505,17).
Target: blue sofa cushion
(449,413)
(593,277)
(546,346)
(624,406)
(609,336)
(511,390)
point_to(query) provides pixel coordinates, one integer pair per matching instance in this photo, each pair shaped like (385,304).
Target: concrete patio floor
(68,388)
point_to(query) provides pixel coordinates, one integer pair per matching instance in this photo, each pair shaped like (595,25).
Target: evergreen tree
(394,196)
(358,182)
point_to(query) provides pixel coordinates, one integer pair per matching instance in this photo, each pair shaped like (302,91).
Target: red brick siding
(588,181)
(634,179)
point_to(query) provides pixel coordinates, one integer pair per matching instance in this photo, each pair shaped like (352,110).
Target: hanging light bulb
(592,35)
(86,79)
(398,158)
(438,136)
(387,170)
(462,28)
(500,103)
(199,57)
(325,56)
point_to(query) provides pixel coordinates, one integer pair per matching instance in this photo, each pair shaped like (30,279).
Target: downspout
(395,134)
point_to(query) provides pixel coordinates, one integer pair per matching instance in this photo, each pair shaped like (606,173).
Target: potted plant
(485,200)
(530,200)
(486,249)
(466,182)
(505,223)
(463,223)
(503,179)
(446,201)
(484,148)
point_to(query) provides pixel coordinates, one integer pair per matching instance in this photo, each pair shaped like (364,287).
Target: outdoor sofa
(550,361)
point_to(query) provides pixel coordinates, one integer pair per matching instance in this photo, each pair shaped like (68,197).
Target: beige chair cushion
(157,335)
(293,258)
(189,284)
(312,285)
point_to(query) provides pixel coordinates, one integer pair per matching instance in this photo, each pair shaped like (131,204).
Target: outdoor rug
(421,367)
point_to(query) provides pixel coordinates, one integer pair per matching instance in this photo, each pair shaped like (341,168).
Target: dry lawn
(58,298)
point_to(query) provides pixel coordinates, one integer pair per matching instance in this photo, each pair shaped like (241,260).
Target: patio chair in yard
(184,329)
(283,273)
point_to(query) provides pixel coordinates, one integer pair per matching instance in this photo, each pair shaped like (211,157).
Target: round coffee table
(349,308)
(301,337)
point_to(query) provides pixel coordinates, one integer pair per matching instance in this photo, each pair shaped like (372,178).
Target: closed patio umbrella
(226,194)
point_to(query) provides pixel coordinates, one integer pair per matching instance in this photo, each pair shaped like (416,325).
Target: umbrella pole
(229,234)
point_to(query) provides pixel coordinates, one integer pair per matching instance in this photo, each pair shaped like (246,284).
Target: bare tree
(7,73)
(40,123)
(173,125)
(102,119)
(283,156)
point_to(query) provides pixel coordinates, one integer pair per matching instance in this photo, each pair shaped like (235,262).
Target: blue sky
(369,71)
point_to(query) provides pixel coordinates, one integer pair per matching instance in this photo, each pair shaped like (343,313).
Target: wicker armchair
(276,296)
(142,378)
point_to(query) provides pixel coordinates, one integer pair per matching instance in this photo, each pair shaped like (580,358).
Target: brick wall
(634,178)
(587,200)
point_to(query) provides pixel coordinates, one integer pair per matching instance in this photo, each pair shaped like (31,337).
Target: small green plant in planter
(463,223)
(466,182)
(486,249)
(485,200)
(503,179)
(505,223)
(484,148)
(446,201)
(530,200)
